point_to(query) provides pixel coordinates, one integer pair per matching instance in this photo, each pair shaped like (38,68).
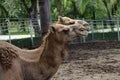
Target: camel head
(65,20)
(81,27)
(66,33)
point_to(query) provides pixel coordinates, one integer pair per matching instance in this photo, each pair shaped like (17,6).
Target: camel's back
(7,54)
(4,44)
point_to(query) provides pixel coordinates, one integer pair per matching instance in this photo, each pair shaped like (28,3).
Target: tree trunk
(32,13)
(45,15)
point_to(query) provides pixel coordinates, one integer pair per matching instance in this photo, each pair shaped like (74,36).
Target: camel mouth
(81,32)
(84,33)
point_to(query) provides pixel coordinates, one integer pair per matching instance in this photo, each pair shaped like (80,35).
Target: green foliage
(13,8)
(82,5)
(55,13)
(3,11)
(89,9)
(60,7)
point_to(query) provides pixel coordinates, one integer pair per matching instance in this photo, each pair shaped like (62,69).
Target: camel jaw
(80,30)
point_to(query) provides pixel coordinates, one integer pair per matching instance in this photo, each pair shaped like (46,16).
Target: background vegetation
(89,9)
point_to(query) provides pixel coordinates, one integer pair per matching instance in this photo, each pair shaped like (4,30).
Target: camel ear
(60,19)
(52,29)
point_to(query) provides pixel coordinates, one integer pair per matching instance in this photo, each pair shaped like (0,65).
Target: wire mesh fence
(100,30)
(104,30)
(13,28)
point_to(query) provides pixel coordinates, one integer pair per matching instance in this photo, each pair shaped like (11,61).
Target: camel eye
(81,29)
(71,22)
(66,31)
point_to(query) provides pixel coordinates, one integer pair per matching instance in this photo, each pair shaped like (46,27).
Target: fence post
(103,30)
(84,38)
(118,29)
(31,36)
(92,28)
(39,23)
(9,30)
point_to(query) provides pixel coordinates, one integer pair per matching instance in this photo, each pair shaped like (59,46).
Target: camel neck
(52,52)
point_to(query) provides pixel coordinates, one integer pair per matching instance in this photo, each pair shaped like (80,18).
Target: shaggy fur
(6,56)
(40,63)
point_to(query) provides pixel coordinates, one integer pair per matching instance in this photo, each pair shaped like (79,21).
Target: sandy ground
(90,65)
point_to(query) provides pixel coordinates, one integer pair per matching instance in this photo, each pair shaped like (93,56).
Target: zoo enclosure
(15,28)
(102,30)
(107,30)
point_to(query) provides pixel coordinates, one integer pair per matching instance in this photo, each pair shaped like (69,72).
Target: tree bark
(45,15)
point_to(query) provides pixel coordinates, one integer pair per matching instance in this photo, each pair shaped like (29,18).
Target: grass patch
(26,42)
(107,36)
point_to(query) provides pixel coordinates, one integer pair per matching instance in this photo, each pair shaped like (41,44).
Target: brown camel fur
(40,63)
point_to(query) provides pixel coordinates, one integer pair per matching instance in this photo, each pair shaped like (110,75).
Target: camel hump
(7,54)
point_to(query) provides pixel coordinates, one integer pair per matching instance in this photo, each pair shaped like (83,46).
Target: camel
(72,22)
(43,62)
(69,21)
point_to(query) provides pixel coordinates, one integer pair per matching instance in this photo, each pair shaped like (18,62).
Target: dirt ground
(94,64)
